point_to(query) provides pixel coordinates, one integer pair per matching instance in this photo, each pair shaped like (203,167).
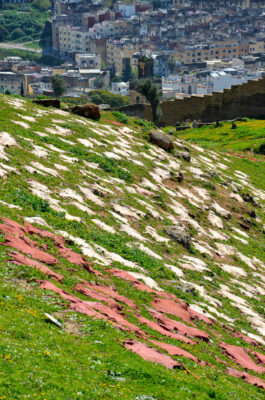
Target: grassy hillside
(85,209)
(245,144)
(26,22)
(30,56)
(248,136)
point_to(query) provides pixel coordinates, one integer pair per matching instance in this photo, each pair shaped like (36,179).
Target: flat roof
(89,71)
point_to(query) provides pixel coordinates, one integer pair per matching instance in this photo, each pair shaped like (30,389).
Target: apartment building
(73,40)
(117,51)
(192,54)
(12,82)
(257,47)
(90,61)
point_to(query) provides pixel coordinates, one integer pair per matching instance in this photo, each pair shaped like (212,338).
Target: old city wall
(246,100)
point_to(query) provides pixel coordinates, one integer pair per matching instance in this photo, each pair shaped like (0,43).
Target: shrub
(105,97)
(22,198)
(121,117)
(260,149)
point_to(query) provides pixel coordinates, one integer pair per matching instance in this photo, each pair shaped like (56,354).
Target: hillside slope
(156,282)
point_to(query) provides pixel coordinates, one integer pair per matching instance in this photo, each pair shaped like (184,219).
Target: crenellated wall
(246,100)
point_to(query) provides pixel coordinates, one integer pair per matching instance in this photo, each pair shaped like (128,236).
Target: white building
(73,40)
(120,88)
(104,29)
(207,83)
(88,60)
(126,10)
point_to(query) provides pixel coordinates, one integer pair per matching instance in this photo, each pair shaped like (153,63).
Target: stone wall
(246,100)
(137,110)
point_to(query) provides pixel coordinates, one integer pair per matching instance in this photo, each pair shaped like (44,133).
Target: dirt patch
(22,283)
(240,356)
(72,327)
(151,354)
(253,380)
(20,259)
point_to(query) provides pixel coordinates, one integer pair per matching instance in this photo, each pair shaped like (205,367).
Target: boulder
(222,212)
(182,128)
(252,214)
(186,287)
(87,110)
(182,146)
(180,234)
(161,140)
(248,222)
(184,155)
(48,102)
(211,174)
(177,177)
(249,199)
(211,186)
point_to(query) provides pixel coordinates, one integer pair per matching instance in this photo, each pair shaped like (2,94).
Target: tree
(21,89)
(99,82)
(150,90)
(103,64)
(171,65)
(58,85)
(105,97)
(156,4)
(46,36)
(42,5)
(17,33)
(127,74)
(117,78)
(3,33)
(112,73)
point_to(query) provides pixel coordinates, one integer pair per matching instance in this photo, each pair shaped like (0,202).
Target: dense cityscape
(187,47)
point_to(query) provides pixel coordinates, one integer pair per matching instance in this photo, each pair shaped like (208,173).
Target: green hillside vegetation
(105,97)
(99,97)
(246,144)
(248,136)
(26,22)
(30,56)
(67,157)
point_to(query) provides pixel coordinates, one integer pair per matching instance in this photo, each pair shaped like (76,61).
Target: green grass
(31,56)
(248,136)
(24,23)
